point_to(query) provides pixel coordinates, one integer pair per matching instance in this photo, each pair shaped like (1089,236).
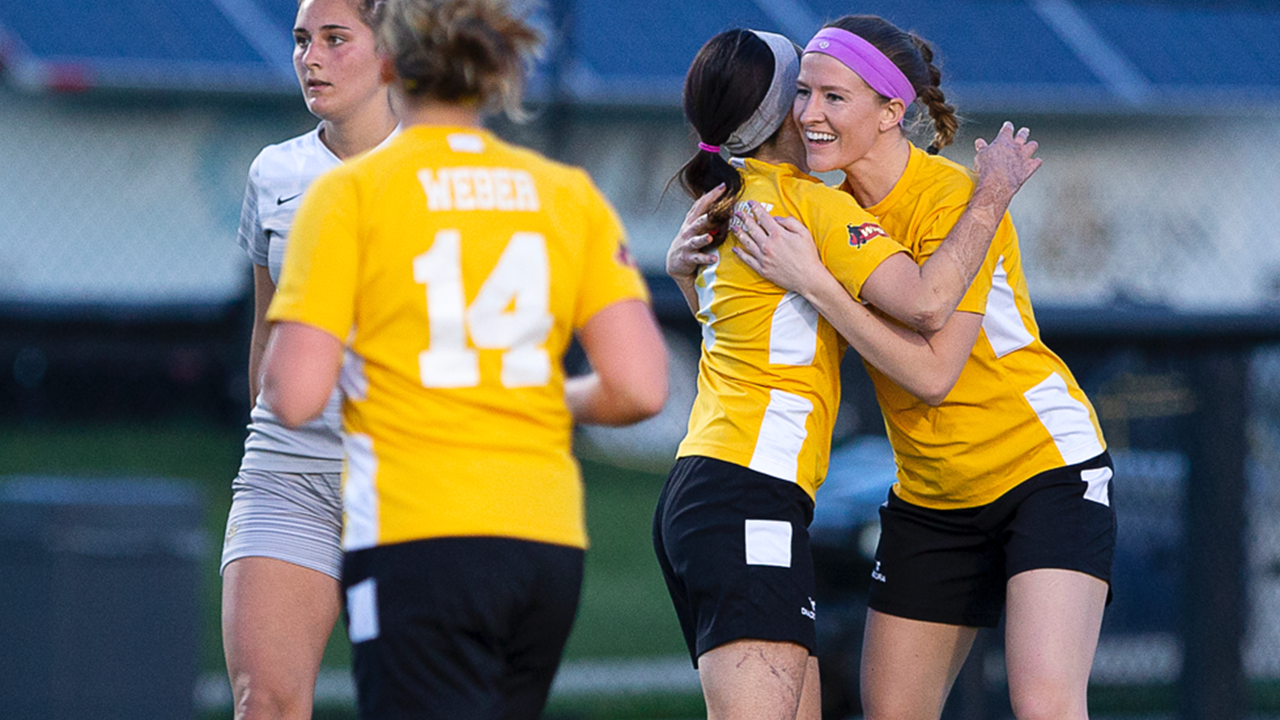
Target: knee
(1048,703)
(256,701)
(899,705)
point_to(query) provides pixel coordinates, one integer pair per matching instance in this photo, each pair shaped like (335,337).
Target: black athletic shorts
(466,627)
(734,549)
(952,566)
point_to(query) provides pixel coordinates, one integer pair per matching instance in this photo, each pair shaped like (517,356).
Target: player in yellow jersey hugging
(730,530)
(1003,499)
(453,269)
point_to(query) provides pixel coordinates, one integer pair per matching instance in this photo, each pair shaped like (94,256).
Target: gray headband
(777,102)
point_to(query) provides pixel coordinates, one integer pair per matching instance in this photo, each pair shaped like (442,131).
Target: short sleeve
(850,240)
(318,282)
(610,273)
(252,238)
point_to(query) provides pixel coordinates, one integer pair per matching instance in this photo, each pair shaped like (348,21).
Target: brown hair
(459,51)
(726,82)
(370,11)
(914,57)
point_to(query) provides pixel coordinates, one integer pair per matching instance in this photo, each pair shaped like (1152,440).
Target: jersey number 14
(511,313)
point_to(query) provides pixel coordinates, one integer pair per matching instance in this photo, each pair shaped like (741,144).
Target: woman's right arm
(628,382)
(927,365)
(263,291)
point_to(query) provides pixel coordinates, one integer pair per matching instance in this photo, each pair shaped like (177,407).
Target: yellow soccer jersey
(1016,410)
(456,268)
(769,377)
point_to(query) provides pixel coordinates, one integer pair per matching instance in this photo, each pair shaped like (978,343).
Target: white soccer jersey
(277,179)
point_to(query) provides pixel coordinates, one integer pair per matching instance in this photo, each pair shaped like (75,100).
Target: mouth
(819,138)
(316,84)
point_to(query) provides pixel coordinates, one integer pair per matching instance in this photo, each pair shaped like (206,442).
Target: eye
(835,97)
(300,41)
(336,39)
(802,92)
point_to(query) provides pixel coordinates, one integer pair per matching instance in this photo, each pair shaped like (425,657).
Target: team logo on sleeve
(860,235)
(624,256)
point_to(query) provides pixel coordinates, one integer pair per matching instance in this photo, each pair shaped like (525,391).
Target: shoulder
(284,159)
(813,198)
(944,182)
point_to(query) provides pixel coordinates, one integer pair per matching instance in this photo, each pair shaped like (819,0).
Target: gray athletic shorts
(295,517)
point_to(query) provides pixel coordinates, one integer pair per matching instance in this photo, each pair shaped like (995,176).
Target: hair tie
(713,149)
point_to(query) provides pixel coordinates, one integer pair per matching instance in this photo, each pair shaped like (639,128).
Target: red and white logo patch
(860,235)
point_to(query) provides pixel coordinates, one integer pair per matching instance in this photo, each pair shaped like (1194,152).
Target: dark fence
(1190,405)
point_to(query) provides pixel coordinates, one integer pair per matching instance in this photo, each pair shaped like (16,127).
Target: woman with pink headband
(1003,499)
(730,530)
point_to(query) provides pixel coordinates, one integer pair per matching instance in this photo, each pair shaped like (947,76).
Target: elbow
(642,402)
(934,392)
(287,404)
(930,317)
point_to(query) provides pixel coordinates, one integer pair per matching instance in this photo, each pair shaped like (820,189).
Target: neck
(434,112)
(359,132)
(873,176)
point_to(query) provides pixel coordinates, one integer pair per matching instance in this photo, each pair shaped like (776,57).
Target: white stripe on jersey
(793,332)
(782,435)
(1066,419)
(1002,322)
(706,294)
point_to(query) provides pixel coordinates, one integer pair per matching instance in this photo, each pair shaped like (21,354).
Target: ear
(891,113)
(386,69)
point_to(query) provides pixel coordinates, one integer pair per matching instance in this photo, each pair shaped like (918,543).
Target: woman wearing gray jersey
(281,559)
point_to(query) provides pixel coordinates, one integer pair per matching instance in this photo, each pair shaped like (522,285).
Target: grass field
(624,612)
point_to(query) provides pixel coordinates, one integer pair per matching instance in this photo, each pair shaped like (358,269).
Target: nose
(310,55)
(805,110)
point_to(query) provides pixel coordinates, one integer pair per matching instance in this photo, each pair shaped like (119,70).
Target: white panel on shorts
(793,333)
(362,610)
(1002,322)
(769,543)
(782,435)
(1066,419)
(706,293)
(359,494)
(1098,479)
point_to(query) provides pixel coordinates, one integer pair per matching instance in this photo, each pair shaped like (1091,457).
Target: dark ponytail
(914,57)
(727,81)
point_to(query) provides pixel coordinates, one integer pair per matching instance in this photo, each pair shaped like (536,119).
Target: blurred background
(1149,237)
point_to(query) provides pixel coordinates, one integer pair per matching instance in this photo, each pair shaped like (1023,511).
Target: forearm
(905,356)
(948,273)
(688,288)
(257,346)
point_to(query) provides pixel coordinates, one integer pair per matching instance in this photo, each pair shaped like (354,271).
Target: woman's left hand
(780,250)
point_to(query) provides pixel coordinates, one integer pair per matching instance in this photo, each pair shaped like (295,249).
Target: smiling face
(335,57)
(840,116)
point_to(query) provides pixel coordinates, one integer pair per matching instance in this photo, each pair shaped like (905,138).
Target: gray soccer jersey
(277,179)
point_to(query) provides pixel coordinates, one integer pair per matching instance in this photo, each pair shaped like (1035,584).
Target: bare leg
(811,696)
(276,619)
(909,666)
(1051,633)
(756,680)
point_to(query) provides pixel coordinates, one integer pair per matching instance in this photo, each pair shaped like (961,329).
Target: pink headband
(708,148)
(864,59)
